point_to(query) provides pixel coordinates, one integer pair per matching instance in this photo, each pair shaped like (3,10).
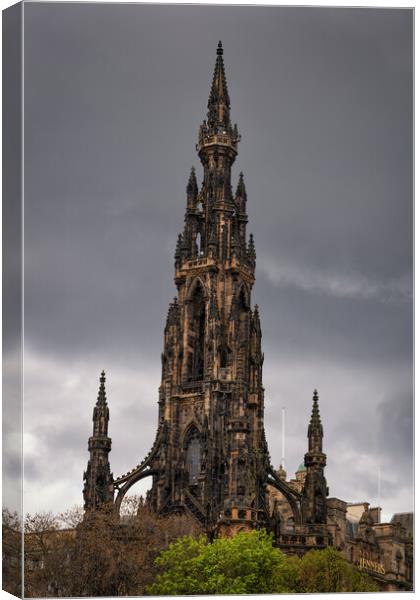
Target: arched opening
(193,460)
(135,499)
(196,334)
(243,315)
(193,454)
(243,331)
(223,357)
(199,244)
(123,490)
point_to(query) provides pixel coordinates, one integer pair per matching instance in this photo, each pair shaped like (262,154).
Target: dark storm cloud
(114,95)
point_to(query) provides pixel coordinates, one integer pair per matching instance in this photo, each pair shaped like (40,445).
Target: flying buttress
(123,483)
(291,495)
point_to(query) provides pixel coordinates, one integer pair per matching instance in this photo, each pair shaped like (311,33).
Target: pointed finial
(102,393)
(173,313)
(256,318)
(251,248)
(192,188)
(178,249)
(315,416)
(241,190)
(219,102)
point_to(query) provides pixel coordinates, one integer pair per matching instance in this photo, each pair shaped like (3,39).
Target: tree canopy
(143,553)
(326,571)
(248,563)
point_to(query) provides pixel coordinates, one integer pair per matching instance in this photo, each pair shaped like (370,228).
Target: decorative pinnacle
(256,319)
(173,312)
(178,248)
(219,102)
(192,187)
(315,416)
(251,248)
(241,190)
(101,393)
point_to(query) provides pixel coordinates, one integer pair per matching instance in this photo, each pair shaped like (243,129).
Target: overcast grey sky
(114,95)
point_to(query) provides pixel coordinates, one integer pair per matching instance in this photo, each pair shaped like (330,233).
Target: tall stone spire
(98,479)
(218,139)
(315,431)
(315,492)
(219,102)
(211,396)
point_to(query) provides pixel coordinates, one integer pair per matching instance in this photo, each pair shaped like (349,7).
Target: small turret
(251,250)
(315,492)
(315,431)
(240,196)
(178,250)
(173,314)
(192,189)
(98,489)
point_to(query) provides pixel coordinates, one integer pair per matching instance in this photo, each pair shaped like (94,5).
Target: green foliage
(249,564)
(328,571)
(244,564)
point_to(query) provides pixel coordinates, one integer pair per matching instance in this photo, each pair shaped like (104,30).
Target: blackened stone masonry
(210,456)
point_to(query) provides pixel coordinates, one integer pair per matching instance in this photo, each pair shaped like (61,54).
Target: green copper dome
(301,467)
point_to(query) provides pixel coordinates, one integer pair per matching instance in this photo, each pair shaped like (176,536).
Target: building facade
(210,455)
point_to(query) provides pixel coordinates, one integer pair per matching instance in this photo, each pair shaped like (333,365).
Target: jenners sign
(371,565)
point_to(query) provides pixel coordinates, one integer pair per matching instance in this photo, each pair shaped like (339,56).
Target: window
(243,317)
(199,244)
(197,335)
(193,459)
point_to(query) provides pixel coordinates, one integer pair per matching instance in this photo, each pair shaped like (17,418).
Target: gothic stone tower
(211,396)
(210,455)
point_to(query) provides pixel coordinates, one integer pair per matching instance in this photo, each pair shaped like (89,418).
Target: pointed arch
(138,476)
(192,428)
(243,296)
(192,289)
(196,324)
(242,319)
(193,452)
(224,355)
